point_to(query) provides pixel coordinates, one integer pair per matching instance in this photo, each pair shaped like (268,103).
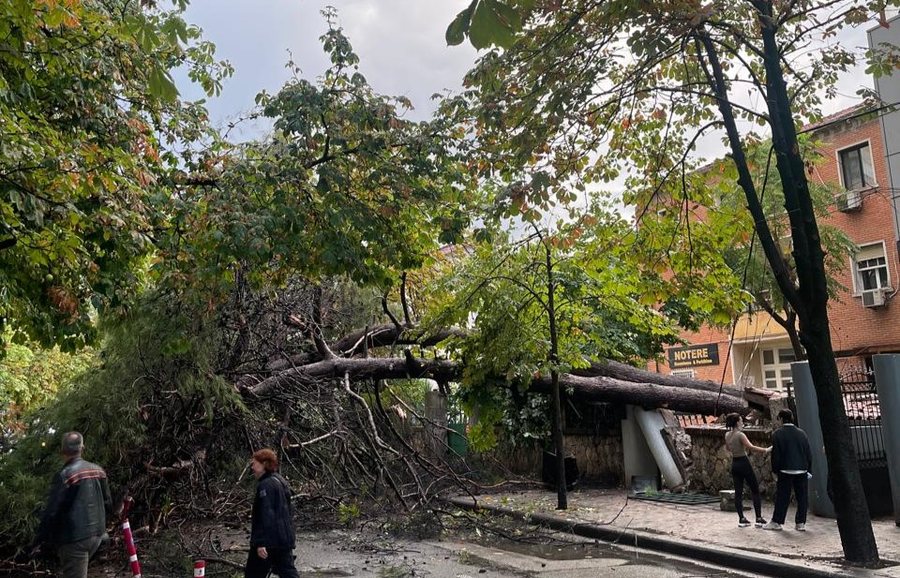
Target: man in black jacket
(75,517)
(791,462)
(271,527)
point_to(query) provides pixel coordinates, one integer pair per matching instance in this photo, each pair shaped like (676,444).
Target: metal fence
(860,394)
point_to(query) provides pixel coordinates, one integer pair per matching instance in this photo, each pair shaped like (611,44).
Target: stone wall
(711,469)
(600,458)
(521,459)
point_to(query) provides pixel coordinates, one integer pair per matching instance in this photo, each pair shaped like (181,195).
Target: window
(776,367)
(871,270)
(857,171)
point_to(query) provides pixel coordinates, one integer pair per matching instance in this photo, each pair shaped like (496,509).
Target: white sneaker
(773,526)
(801,527)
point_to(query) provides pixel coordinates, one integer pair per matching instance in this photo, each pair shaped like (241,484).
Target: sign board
(694,355)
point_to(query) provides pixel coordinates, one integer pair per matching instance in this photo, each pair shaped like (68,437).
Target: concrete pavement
(699,532)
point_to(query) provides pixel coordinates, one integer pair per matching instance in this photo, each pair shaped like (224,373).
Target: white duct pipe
(652,425)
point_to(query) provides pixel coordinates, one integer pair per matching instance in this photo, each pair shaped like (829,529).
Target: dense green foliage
(345,185)
(230,256)
(90,128)
(244,243)
(157,378)
(607,285)
(557,99)
(31,376)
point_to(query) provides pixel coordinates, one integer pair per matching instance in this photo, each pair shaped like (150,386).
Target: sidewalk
(701,532)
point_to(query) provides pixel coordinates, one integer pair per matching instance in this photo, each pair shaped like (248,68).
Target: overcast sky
(400,44)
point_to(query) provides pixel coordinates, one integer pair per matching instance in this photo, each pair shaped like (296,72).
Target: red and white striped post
(199,569)
(129,539)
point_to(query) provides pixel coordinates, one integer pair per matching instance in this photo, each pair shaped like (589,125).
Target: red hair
(267,458)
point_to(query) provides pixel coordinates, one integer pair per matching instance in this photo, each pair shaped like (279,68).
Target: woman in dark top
(738,445)
(271,528)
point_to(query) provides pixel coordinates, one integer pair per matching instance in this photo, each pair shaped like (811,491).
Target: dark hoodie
(271,524)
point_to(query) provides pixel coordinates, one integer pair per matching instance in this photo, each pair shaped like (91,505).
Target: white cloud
(400,44)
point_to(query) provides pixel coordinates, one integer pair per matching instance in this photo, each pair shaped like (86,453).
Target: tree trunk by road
(626,372)
(809,297)
(559,439)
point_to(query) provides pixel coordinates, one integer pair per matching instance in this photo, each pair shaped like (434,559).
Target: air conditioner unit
(849,201)
(873,299)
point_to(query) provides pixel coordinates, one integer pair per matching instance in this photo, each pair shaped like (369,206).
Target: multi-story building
(865,319)
(888,89)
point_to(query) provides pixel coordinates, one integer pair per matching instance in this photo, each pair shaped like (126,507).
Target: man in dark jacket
(791,462)
(271,527)
(75,517)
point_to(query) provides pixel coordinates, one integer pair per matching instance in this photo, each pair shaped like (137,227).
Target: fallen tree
(630,373)
(359,341)
(336,411)
(647,395)
(603,381)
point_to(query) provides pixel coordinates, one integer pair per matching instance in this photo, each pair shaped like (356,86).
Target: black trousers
(742,471)
(786,482)
(280,561)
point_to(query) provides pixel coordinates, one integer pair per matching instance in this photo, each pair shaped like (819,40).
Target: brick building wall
(857,331)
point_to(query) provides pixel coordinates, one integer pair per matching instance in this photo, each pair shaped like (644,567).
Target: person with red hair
(271,528)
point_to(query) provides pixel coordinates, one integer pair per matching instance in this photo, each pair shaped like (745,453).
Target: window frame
(858,289)
(778,366)
(840,153)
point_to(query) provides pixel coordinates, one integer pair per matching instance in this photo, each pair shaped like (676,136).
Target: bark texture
(647,394)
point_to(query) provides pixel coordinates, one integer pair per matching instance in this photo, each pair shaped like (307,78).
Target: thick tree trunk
(646,395)
(851,509)
(809,296)
(626,372)
(360,368)
(384,335)
(811,305)
(388,334)
(598,388)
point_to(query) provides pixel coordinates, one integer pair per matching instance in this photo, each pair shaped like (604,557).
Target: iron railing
(860,394)
(861,404)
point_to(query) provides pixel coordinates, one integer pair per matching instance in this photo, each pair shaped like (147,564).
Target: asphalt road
(342,553)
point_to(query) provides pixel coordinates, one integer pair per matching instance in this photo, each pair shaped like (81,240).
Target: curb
(719,555)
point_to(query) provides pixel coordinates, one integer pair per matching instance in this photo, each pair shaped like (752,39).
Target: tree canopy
(344,185)
(591,91)
(90,127)
(484,227)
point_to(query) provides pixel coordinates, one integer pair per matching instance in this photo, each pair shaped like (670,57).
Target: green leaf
(456,32)
(494,23)
(161,84)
